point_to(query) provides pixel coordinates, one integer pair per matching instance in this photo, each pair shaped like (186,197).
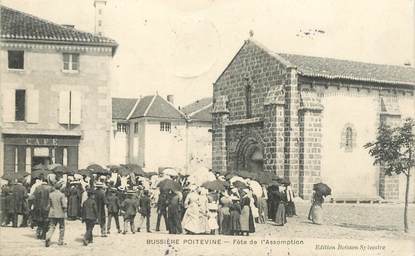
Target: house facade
(307,119)
(152,132)
(55,94)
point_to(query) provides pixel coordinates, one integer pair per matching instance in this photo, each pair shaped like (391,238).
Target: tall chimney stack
(170,98)
(99,6)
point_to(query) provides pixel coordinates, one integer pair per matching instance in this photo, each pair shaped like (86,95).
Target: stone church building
(307,119)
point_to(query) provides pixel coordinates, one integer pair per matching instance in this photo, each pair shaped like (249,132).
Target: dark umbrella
(214,185)
(95,167)
(84,172)
(60,169)
(122,171)
(322,188)
(239,184)
(102,172)
(168,184)
(40,173)
(247,174)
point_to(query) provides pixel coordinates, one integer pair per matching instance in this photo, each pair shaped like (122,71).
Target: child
(89,216)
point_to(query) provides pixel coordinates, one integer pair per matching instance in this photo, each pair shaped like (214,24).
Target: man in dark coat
(144,210)
(113,207)
(173,214)
(40,208)
(20,197)
(101,201)
(130,208)
(57,211)
(89,216)
(162,210)
(10,207)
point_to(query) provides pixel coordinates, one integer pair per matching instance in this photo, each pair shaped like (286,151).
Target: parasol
(216,185)
(256,188)
(239,184)
(322,188)
(168,184)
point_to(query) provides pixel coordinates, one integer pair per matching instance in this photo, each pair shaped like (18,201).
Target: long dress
(280,217)
(244,218)
(74,203)
(225,216)
(192,219)
(316,214)
(235,214)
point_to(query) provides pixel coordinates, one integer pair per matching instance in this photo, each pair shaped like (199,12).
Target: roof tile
(22,26)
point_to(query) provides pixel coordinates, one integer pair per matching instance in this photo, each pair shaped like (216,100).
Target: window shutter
(76,107)
(64,107)
(32,106)
(8,105)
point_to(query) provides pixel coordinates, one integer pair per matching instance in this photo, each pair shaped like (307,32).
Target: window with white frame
(71,61)
(165,126)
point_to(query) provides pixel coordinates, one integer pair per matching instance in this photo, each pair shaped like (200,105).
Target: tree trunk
(405,215)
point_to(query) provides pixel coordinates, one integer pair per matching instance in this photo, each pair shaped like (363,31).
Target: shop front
(22,152)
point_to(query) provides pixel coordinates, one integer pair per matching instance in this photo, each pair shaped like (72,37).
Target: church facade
(307,119)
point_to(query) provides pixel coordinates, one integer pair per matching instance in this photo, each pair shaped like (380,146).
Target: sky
(180,47)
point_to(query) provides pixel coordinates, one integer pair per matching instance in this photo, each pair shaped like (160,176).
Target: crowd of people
(187,204)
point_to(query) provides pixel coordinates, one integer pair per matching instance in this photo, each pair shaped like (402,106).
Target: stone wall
(255,67)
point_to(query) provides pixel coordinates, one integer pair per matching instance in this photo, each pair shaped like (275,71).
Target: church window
(348,138)
(248,100)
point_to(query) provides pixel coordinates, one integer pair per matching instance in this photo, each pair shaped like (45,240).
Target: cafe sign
(44,141)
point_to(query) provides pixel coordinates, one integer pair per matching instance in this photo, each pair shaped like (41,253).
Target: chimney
(68,25)
(99,16)
(170,98)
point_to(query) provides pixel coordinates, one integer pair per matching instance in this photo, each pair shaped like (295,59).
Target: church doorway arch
(250,154)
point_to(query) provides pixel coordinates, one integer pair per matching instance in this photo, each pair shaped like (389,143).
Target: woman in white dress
(192,219)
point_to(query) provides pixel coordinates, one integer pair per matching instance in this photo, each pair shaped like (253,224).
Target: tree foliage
(394,147)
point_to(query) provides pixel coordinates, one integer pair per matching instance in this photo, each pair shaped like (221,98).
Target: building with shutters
(55,94)
(152,132)
(307,119)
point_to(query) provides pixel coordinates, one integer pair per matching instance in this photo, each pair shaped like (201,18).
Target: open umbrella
(84,172)
(214,185)
(239,184)
(322,188)
(60,169)
(40,173)
(102,171)
(123,171)
(95,167)
(168,184)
